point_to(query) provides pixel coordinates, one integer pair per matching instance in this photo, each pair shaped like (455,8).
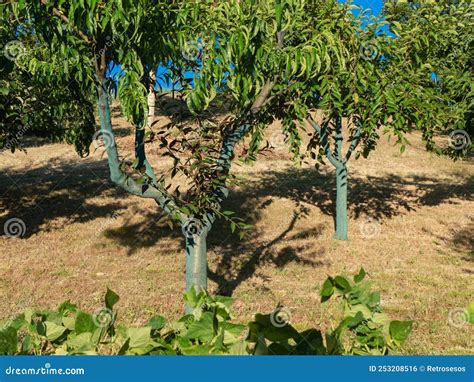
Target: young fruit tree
(240,53)
(369,90)
(99,35)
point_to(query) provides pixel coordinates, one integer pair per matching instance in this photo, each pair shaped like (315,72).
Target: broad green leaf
(284,333)
(67,307)
(139,337)
(84,323)
(157,322)
(360,276)
(81,341)
(239,348)
(327,290)
(197,350)
(111,298)
(203,329)
(399,330)
(342,284)
(69,322)
(54,331)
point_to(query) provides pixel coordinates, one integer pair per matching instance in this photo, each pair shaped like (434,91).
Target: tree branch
(141,155)
(62,16)
(268,87)
(150,191)
(322,132)
(354,142)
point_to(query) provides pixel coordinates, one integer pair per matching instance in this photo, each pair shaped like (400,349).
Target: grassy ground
(411,218)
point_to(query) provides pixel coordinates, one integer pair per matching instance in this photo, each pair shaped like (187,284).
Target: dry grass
(411,218)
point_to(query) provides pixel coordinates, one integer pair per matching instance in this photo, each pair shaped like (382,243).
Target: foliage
(364,329)
(209,329)
(434,44)
(34,105)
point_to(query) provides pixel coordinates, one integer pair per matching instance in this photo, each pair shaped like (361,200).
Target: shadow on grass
(239,260)
(56,190)
(371,197)
(462,240)
(67,189)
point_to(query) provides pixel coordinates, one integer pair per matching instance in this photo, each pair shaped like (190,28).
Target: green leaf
(67,307)
(84,323)
(232,332)
(327,289)
(342,284)
(311,342)
(374,299)
(157,322)
(356,320)
(69,322)
(196,350)
(202,329)
(139,337)
(284,333)
(111,298)
(25,346)
(400,330)
(360,276)
(53,330)
(239,348)
(81,342)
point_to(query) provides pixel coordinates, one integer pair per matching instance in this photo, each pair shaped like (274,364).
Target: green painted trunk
(341,203)
(196,263)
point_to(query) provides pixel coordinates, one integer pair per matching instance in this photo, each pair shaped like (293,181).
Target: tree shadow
(376,197)
(239,260)
(463,241)
(65,189)
(57,189)
(373,197)
(146,233)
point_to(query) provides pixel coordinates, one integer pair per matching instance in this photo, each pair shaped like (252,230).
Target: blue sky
(374,5)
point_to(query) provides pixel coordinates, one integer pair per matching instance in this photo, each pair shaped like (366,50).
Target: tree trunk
(341,203)
(196,263)
(151,100)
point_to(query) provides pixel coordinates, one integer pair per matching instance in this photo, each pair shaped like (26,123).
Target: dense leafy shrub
(364,329)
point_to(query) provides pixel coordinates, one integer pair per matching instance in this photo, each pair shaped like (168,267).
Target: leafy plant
(365,328)
(208,329)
